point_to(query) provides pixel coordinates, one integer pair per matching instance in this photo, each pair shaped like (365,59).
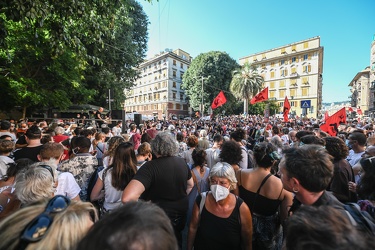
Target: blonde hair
(144,149)
(67,229)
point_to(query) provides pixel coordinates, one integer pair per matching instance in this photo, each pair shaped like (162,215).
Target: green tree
(258,108)
(246,83)
(215,67)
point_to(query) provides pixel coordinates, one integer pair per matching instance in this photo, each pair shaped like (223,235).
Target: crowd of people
(232,182)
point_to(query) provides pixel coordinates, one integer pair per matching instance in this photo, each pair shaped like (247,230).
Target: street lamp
(202,106)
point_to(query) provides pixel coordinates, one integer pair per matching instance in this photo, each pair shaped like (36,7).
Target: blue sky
(243,27)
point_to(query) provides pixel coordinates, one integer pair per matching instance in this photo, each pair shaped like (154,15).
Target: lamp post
(202,99)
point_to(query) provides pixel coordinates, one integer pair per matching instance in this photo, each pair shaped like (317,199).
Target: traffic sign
(306,104)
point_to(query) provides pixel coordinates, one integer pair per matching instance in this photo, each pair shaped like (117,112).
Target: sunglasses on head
(49,169)
(38,227)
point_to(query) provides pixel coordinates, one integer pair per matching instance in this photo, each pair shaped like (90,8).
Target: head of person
(5,125)
(133,127)
(136,225)
(52,151)
(33,133)
(113,143)
(106,130)
(81,145)
(218,139)
(27,228)
(36,183)
(323,227)
(292,135)
(124,165)
(366,185)
(14,168)
(146,138)
(275,130)
(309,167)
(6,147)
(99,136)
(336,147)
(302,133)
(199,157)
(179,137)
(370,151)
(222,174)
(101,109)
(265,154)
(231,152)
(192,141)
(311,139)
(59,130)
(144,149)
(238,135)
(202,133)
(357,139)
(164,145)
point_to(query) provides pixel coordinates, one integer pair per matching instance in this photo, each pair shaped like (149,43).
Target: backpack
(250,157)
(362,220)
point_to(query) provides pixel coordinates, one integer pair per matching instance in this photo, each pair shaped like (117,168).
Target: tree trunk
(24,112)
(245,106)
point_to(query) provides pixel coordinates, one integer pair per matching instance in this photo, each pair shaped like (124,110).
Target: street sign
(306,104)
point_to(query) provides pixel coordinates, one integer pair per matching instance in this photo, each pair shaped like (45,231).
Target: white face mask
(219,192)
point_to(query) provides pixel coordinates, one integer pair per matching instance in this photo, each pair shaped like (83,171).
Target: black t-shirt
(28,152)
(165,180)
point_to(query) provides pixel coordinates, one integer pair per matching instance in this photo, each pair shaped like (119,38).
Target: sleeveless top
(258,203)
(219,233)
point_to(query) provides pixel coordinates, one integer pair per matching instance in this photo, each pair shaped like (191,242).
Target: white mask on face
(219,192)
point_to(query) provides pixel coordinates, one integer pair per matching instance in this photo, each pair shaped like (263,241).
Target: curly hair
(199,158)
(192,141)
(336,147)
(113,143)
(231,152)
(164,144)
(264,154)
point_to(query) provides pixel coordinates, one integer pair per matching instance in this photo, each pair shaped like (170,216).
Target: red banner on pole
(260,97)
(219,100)
(286,109)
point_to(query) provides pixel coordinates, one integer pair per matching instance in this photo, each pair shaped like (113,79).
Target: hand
(352,186)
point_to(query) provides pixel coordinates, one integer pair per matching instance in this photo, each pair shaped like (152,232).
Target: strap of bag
(256,196)
(203,201)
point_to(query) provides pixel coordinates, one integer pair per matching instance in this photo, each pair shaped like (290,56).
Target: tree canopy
(246,83)
(216,69)
(55,53)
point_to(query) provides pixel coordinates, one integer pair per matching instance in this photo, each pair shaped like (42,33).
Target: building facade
(360,88)
(157,92)
(371,112)
(294,70)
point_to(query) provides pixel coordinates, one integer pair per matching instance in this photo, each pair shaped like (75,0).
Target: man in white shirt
(117,130)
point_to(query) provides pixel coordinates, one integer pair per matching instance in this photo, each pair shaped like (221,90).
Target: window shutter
(309,68)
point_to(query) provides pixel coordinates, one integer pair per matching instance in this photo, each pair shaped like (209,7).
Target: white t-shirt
(4,160)
(67,185)
(112,199)
(116,131)
(353,158)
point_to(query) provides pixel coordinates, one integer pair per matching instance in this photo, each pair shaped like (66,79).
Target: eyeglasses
(49,169)
(38,227)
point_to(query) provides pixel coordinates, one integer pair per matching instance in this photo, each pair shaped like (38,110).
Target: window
(294,70)
(281,104)
(305,45)
(181,97)
(272,85)
(293,82)
(273,74)
(305,57)
(282,84)
(294,59)
(182,74)
(174,84)
(281,93)
(272,93)
(305,91)
(178,106)
(181,65)
(282,62)
(292,103)
(272,64)
(292,93)
(174,62)
(174,95)
(293,47)
(255,58)
(174,73)
(283,51)
(305,80)
(263,56)
(307,68)
(263,65)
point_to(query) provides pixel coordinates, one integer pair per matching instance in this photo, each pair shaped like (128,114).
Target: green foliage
(55,53)
(216,68)
(258,108)
(246,83)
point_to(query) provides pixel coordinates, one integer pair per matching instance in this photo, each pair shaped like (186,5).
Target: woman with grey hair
(166,181)
(220,220)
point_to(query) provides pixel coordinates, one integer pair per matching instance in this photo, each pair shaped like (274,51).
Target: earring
(294,191)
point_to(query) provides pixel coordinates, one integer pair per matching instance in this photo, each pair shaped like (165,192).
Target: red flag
(359,111)
(286,109)
(219,100)
(331,124)
(350,109)
(260,97)
(326,115)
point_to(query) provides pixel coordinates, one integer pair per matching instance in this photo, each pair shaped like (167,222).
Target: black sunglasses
(38,227)
(49,169)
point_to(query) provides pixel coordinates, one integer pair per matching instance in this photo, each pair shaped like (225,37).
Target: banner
(286,109)
(219,100)
(332,123)
(260,97)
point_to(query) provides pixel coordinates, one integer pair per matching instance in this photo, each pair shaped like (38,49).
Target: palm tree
(246,83)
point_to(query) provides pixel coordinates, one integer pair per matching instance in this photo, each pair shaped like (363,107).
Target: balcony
(294,75)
